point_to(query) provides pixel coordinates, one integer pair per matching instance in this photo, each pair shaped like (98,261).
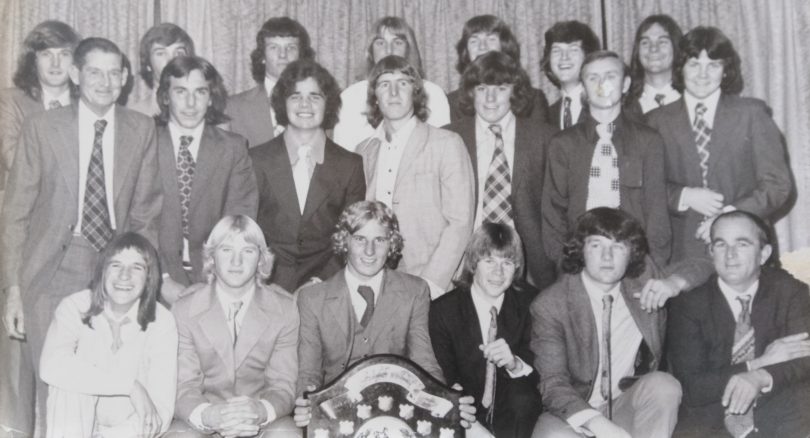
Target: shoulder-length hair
(165,34)
(46,35)
(717,46)
(148,298)
(611,223)
(237,225)
(395,64)
(400,28)
(296,72)
(278,27)
(181,67)
(672,29)
(356,216)
(567,32)
(497,68)
(487,24)
(492,239)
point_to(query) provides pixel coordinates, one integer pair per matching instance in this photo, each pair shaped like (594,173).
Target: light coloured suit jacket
(15,106)
(399,325)
(41,203)
(250,115)
(224,184)
(262,364)
(433,200)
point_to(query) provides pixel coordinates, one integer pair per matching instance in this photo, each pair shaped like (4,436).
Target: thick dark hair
(46,35)
(487,24)
(636,69)
(601,54)
(567,32)
(165,34)
(146,308)
(395,64)
(717,46)
(296,72)
(611,223)
(181,67)
(399,27)
(278,27)
(496,68)
(492,239)
(356,216)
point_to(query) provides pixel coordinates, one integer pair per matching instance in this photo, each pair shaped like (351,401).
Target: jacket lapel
(469,317)
(208,157)
(215,326)
(647,323)
(416,143)
(168,172)
(253,326)
(338,303)
(726,123)
(278,171)
(388,303)
(525,146)
(323,179)
(125,155)
(583,321)
(67,150)
(466,129)
(681,130)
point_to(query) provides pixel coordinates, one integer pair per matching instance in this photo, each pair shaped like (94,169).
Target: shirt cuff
(681,205)
(523,369)
(271,412)
(580,418)
(196,417)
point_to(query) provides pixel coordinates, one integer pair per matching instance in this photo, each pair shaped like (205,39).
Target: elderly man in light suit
(237,357)
(423,173)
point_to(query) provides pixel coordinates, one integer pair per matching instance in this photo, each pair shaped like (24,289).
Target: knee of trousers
(661,387)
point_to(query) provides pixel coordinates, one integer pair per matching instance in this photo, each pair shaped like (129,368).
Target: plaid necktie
(659,99)
(497,202)
(567,113)
(605,383)
(603,181)
(368,294)
(703,134)
(185,177)
(54,104)
(743,351)
(96,225)
(235,307)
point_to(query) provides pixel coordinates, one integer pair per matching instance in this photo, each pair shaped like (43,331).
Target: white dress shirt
(87,135)
(176,131)
(63,98)
(647,98)
(389,158)
(484,148)
(483,303)
(358,302)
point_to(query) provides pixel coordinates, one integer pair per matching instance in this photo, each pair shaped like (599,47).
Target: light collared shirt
(483,303)
(647,98)
(318,144)
(176,131)
(63,98)
(625,340)
(87,135)
(389,158)
(485,147)
(711,106)
(111,411)
(577,97)
(358,302)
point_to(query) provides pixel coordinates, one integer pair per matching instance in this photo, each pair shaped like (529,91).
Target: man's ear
(626,85)
(124,76)
(73,73)
(765,253)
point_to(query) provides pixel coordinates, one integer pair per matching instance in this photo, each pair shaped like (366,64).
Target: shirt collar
(484,302)
(318,145)
(352,281)
(269,84)
(400,136)
(178,131)
(666,89)
(132,313)
(731,294)
(710,101)
(225,299)
(63,97)
(595,292)
(576,95)
(504,123)
(85,113)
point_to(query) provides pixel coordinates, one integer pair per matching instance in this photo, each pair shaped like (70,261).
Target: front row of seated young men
(244,352)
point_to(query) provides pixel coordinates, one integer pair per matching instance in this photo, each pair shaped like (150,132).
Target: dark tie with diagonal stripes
(185,178)
(96,225)
(567,117)
(497,201)
(703,134)
(742,351)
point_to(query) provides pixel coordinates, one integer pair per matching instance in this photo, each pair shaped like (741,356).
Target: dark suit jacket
(538,115)
(399,325)
(641,176)
(456,334)
(302,244)
(553,115)
(747,163)
(566,347)
(699,344)
(250,115)
(531,141)
(224,184)
(41,203)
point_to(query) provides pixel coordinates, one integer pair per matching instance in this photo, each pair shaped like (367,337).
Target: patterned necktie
(54,104)
(603,178)
(96,225)
(742,351)
(497,202)
(301,175)
(115,329)
(567,118)
(235,307)
(185,177)
(606,387)
(659,99)
(368,294)
(489,381)
(703,134)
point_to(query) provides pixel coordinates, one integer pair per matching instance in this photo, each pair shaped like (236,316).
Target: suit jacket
(224,184)
(641,178)
(554,114)
(566,345)
(538,114)
(455,333)
(747,163)
(250,115)
(262,364)
(700,341)
(399,325)
(41,204)
(531,140)
(15,106)
(433,200)
(302,243)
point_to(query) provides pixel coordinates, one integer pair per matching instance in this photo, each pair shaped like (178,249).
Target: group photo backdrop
(770,36)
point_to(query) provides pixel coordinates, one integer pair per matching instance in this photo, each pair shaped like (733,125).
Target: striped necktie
(96,225)
(742,351)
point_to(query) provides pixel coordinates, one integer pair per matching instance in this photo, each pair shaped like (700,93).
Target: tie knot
(367,293)
(185,141)
(100,125)
(496,129)
(236,306)
(304,152)
(745,302)
(659,99)
(493,313)
(54,104)
(567,102)
(607,299)
(605,131)
(700,109)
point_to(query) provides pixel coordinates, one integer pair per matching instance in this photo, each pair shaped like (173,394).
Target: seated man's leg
(283,427)
(650,406)
(517,407)
(181,429)
(552,426)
